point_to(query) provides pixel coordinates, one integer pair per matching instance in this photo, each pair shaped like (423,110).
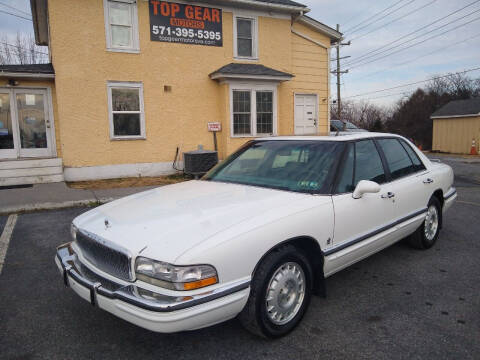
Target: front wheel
(279,293)
(427,234)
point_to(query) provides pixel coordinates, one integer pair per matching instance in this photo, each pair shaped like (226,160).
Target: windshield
(300,166)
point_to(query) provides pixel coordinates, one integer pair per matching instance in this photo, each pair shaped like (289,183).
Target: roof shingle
(459,108)
(249,70)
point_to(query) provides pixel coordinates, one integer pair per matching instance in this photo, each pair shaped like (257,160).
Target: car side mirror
(365,187)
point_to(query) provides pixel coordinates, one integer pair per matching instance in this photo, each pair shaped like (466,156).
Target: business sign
(185,24)
(214,126)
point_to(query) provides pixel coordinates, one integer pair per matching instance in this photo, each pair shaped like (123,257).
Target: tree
(22,50)
(411,117)
(363,114)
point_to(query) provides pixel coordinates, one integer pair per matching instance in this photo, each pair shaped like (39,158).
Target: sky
(371,24)
(453,51)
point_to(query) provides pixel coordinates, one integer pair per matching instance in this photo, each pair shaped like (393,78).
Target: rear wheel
(427,234)
(279,293)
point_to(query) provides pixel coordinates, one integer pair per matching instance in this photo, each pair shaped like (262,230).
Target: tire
(285,266)
(425,236)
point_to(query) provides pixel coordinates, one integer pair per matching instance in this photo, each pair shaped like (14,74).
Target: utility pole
(339,72)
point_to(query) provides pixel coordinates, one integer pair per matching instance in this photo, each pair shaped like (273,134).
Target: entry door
(25,126)
(305,114)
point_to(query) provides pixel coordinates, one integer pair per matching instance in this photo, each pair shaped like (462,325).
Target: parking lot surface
(400,303)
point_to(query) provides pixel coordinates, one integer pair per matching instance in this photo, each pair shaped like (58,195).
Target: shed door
(305,114)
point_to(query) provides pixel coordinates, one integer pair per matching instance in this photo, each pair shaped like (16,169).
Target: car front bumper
(151,310)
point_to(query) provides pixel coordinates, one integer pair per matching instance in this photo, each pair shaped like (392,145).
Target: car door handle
(428,181)
(388,195)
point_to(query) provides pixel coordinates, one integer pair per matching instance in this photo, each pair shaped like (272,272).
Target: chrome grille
(103,257)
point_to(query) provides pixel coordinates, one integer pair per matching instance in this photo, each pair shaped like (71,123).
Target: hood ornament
(107,224)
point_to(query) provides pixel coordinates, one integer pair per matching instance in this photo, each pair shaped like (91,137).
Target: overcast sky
(453,51)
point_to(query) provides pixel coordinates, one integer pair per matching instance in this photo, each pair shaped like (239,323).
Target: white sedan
(258,235)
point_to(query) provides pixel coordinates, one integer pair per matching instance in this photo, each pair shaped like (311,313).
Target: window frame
(254,88)
(254,20)
(126,85)
(135,48)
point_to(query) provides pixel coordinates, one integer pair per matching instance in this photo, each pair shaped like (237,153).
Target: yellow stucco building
(132,81)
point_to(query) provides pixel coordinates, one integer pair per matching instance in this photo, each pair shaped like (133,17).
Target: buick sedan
(256,237)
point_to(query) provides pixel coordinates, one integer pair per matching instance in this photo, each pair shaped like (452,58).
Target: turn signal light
(200,283)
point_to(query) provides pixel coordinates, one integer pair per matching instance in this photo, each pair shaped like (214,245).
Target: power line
(414,83)
(415,44)
(19,16)
(419,57)
(371,17)
(415,31)
(384,16)
(14,8)
(395,20)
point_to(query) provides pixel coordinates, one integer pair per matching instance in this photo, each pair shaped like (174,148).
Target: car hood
(175,218)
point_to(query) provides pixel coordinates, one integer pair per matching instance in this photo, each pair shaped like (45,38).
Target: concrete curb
(25,208)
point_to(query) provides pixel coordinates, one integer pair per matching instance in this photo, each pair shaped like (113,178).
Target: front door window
(31,121)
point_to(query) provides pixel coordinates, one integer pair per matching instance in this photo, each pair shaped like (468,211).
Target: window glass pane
(120,13)
(241,113)
(125,99)
(413,156)
(6,131)
(244,47)
(368,164)
(126,124)
(244,28)
(121,35)
(345,184)
(397,158)
(31,121)
(264,112)
(241,124)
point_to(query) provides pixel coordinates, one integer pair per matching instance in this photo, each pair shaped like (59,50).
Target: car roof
(340,137)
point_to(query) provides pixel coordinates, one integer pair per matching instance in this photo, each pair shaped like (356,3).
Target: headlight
(73,231)
(175,277)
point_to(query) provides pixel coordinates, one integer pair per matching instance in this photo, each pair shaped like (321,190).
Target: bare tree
(22,50)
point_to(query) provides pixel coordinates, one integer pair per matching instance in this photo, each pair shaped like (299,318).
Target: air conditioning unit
(200,161)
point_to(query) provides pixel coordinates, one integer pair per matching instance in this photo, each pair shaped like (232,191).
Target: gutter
(26,75)
(306,37)
(453,116)
(254,3)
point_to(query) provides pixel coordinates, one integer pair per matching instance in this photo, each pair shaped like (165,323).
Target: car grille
(103,257)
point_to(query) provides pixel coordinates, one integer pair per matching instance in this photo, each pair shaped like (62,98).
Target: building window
(245,38)
(264,112)
(253,112)
(242,114)
(121,25)
(127,118)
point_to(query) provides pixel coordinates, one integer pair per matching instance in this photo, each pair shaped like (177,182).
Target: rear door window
(413,156)
(398,160)
(368,164)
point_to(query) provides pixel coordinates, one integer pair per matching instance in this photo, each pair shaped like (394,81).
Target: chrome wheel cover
(431,223)
(285,293)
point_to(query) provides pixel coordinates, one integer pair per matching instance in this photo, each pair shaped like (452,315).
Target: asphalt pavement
(398,304)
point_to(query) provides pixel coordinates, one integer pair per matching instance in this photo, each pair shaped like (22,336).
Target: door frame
(48,107)
(11,153)
(316,108)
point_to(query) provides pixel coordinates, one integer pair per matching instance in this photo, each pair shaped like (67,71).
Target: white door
(362,226)
(305,114)
(25,124)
